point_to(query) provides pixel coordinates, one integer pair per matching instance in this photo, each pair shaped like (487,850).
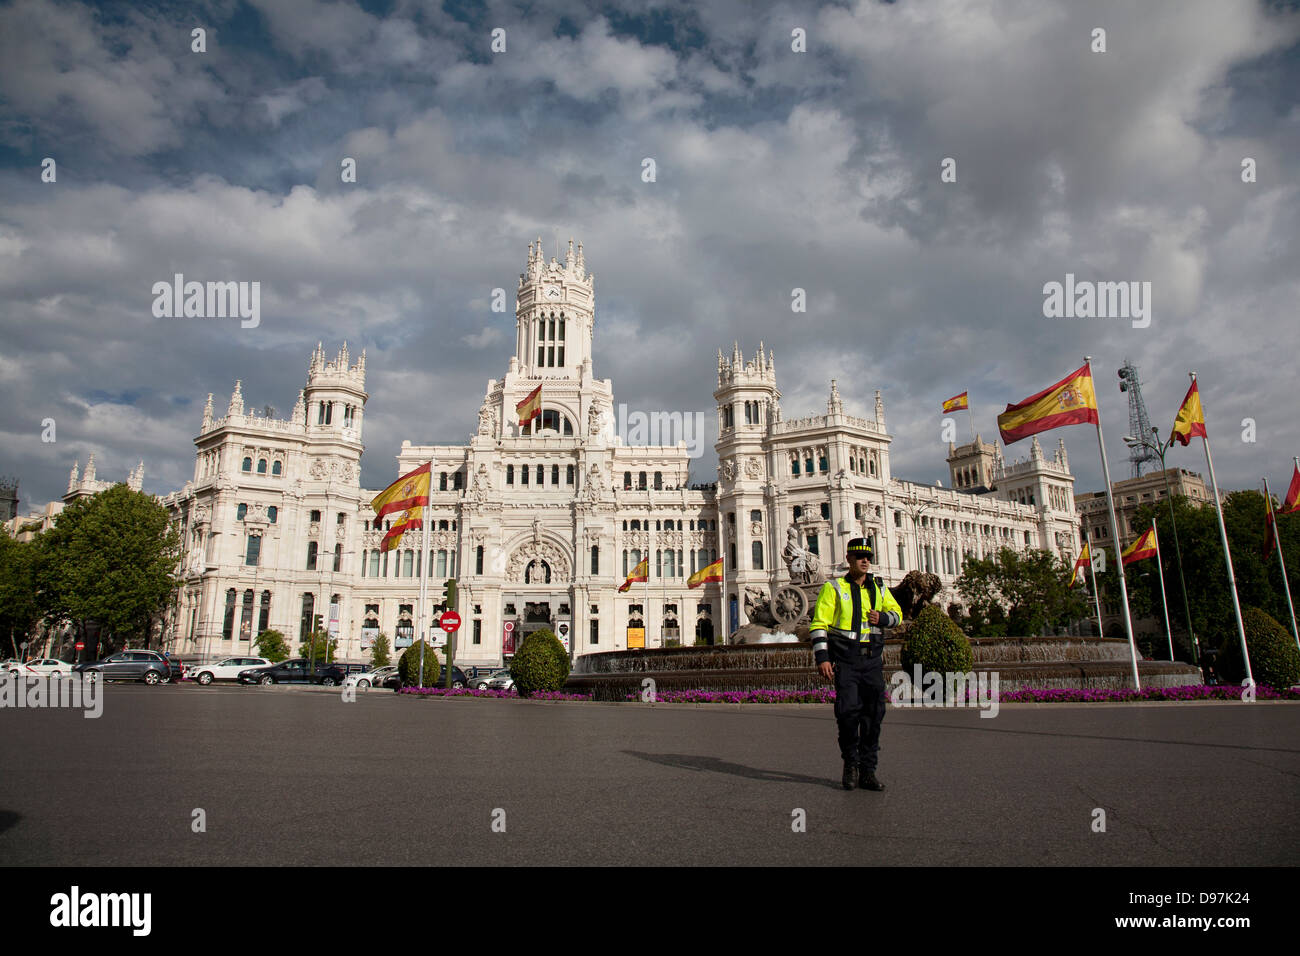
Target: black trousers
(859,704)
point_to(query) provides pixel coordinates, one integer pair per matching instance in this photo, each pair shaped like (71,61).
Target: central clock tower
(554,312)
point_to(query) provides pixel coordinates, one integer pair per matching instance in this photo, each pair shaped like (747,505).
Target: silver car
(482,680)
(374,678)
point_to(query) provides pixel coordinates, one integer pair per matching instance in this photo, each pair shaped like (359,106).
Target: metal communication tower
(1139,424)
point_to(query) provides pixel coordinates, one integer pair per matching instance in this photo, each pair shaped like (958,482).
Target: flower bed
(470,692)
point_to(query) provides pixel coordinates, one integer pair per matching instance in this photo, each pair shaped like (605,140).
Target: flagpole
(645,612)
(1114,530)
(1160,569)
(424,572)
(1277,543)
(1227,555)
(1096,600)
(970,417)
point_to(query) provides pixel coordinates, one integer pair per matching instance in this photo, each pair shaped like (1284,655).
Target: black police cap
(859,548)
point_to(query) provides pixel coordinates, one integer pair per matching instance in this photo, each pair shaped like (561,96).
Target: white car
(228,669)
(40,667)
(370,678)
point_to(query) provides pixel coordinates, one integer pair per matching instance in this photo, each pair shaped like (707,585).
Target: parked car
(374,678)
(350,669)
(39,667)
(148,666)
(502,680)
(295,671)
(458,678)
(228,669)
(481,681)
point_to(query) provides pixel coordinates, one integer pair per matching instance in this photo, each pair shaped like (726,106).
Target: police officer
(848,645)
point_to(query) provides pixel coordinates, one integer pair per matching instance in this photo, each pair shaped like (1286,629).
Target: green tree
(109,558)
(379,654)
(318,647)
(19,612)
(1018,593)
(272,645)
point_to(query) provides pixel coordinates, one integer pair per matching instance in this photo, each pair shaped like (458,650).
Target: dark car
(458,679)
(295,671)
(148,666)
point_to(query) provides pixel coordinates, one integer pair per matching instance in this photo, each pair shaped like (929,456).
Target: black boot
(850,778)
(868,780)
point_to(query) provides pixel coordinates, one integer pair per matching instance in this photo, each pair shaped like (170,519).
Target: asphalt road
(298,776)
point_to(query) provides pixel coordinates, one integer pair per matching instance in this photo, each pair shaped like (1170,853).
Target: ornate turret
(72,477)
(236,406)
(135,479)
(90,469)
(207,414)
(834,406)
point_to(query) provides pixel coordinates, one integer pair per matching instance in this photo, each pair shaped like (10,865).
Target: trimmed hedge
(1274,657)
(936,643)
(408,666)
(540,664)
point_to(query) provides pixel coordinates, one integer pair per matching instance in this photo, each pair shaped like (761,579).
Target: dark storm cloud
(776,170)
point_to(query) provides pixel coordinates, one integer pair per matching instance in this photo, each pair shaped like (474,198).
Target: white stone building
(540,525)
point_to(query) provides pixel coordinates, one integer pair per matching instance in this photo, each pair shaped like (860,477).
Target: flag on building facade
(956,403)
(412,519)
(1143,547)
(1084,560)
(704,575)
(409,491)
(530,407)
(1190,420)
(640,573)
(1071,401)
(1291,502)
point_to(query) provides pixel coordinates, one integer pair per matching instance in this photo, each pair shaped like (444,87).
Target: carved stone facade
(555,513)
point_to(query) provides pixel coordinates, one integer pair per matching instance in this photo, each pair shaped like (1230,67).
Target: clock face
(552,292)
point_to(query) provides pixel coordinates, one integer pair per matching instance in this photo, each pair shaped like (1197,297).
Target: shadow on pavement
(697,762)
(8,819)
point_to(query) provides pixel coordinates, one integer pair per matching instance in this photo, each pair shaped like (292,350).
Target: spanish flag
(956,403)
(1143,547)
(1191,418)
(530,407)
(704,575)
(1083,561)
(1071,401)
(411,519)
(640,573)
(1291,502)
(409,491)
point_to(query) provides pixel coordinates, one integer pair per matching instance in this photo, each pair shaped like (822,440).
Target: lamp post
(1160,449)
(915,508)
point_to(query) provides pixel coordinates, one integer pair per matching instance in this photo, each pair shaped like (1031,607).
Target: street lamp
(1160,449)
(915,509)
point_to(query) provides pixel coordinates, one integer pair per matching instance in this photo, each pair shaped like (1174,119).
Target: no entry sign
(450,621)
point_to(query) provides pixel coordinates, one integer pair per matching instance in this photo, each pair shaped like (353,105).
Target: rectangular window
(311,555)
(478,631)
(408,564)
(374,564)
(595,631)
(478,560)
(595,559)
(441,565)
(254,550)
(338,557)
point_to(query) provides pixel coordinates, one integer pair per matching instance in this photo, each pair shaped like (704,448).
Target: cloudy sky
(775,169)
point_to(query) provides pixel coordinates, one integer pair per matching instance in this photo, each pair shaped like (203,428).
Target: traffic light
(449,595)
(317,621)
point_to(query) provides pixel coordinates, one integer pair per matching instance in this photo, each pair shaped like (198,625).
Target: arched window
(308,607)
(627,481)
(659,481)
(537,572)
(555,474)
(568,475)
(240,512)
(275,469)
(510,474)
(271,513)
(640,481)
(261,466)
(228,627)
(265,617)
(248,464)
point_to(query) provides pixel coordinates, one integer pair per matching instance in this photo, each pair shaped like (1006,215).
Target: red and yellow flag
(411,519)
(640,573)
(704,575)
(1143,547)
(530,407)
(1291,502)
(1083,561)
(1071,401)
(956,403)
(409,491)
(1190,421)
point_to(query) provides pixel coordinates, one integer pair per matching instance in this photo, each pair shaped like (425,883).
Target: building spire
(72,476)
(90,468)
(236,406)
